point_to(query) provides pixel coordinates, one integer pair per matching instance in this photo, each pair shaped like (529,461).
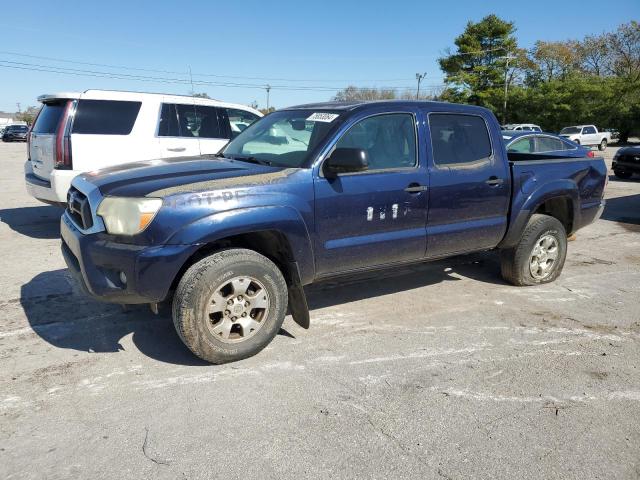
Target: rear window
(49,117)
(105,117)
(458,139)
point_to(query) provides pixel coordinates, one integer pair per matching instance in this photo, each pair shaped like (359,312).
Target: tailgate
(42,144)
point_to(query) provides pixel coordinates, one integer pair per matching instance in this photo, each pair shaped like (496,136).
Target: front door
(469,188)
(377,216)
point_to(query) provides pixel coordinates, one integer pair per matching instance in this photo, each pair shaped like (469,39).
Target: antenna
(419,77)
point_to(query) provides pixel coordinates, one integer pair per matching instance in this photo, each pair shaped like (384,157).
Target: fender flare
(563,188)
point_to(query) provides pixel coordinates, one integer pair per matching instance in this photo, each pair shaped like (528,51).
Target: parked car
(626,162)
(518,127)
(543,144)
(587,135)
(341,188)
(78,132)
(615,134)
(15,133)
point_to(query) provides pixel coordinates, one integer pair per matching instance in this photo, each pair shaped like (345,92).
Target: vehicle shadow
(624,211)
(35,222)
(70,319)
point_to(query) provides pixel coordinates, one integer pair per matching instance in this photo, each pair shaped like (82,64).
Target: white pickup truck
(587,135)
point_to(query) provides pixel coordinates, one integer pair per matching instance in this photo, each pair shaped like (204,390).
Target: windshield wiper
(250,159)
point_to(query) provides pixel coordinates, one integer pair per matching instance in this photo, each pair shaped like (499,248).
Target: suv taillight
(64,159)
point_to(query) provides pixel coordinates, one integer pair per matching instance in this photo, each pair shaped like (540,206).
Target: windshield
(570,130)
(282,139)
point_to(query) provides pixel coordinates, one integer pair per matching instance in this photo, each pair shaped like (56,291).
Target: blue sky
(311,46)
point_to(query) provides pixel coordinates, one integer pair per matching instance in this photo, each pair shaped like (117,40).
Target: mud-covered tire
(516,262)
(623,174)
(191,303)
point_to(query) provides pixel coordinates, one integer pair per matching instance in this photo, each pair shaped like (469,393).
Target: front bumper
(97,262)
(53,190)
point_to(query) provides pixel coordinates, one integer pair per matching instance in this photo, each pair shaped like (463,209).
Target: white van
(79,132)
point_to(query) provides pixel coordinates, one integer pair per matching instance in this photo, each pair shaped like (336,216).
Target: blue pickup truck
(312,192)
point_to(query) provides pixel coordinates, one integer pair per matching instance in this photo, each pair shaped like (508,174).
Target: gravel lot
(438,370)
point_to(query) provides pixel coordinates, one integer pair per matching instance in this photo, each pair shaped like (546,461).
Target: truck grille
(79,209)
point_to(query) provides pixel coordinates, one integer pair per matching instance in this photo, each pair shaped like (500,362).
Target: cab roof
(360,105)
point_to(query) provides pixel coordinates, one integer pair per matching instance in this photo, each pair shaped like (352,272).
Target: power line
(173,80)
(173,72)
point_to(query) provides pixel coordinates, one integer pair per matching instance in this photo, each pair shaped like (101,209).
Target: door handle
(416,188)
(177,149)
(494,181)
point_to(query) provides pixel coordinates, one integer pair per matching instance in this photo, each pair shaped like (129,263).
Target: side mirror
(346,160)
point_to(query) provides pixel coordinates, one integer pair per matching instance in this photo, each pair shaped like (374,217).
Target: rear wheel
(622,174)
(539,256)
(230,305)
(603,145)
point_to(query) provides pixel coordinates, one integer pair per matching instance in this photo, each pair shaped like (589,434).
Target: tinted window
(458,139)
(168,123)
(239,120)
(49,118)
(523,145)
(389,140)
(105,117)
(589,130)
(189,121)
(549,144)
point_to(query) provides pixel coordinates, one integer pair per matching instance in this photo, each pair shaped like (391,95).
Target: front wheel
(603,145)
(539,256)
(230,305)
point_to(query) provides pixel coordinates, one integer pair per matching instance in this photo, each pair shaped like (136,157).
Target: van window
(49,117)
(458,139)
(239,120)
(189,121)
(105,117)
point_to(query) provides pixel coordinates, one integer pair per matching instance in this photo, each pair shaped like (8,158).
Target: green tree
(28,115)
(475,72)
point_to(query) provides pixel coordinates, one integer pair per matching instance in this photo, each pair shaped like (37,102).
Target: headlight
(128,216)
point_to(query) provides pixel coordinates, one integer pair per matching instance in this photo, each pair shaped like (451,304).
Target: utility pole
(508,58)
(18,105)
(268,89)
(419,77)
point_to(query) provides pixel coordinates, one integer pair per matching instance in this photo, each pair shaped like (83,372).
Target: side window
(458,139)
(168,126)
(589,130)
(189,121)
(239,120)
(105,117)
(548,144)
(389,140)
(523,145)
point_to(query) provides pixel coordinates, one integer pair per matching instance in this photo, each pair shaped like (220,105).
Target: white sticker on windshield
(322,117)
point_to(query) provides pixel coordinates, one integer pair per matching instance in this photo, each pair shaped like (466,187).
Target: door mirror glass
(346,160)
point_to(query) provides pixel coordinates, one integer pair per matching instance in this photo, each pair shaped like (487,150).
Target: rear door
(376,216)
(178,130)
(469,189)
(590,136)
(43,137)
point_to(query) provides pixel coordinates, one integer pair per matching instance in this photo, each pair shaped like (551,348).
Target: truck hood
(161,178)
